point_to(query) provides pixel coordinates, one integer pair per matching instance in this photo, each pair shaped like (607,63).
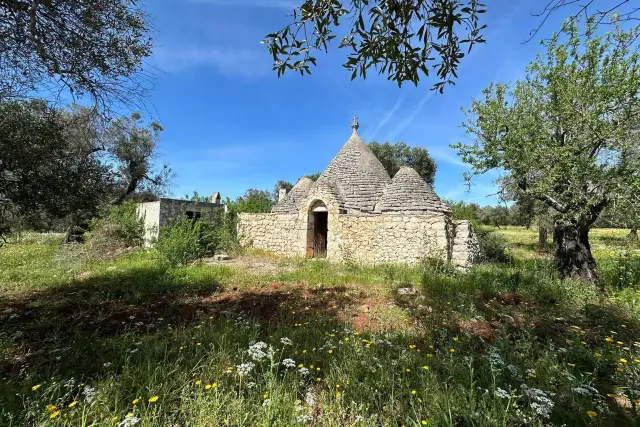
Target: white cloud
(387,117)
(243,62)
(272,4)
(406,122)
(446,155)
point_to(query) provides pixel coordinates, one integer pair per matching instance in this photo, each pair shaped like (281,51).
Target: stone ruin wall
(365,238)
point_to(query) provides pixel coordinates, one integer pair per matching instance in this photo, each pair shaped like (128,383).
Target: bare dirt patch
(255,266)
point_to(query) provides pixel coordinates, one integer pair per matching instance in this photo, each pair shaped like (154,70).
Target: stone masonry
(356,212)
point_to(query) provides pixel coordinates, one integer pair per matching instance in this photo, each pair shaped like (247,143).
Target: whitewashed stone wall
(364,238)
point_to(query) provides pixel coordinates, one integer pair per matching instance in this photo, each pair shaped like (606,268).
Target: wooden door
(320,234)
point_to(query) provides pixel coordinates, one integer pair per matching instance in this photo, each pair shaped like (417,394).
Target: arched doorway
(317,230)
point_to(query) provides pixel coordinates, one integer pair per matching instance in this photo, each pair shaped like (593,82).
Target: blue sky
(231,124)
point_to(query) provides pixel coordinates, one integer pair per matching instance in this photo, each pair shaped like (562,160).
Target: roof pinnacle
(355,124)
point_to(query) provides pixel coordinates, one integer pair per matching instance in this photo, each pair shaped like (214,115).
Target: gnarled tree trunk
(633,233)
(573,252)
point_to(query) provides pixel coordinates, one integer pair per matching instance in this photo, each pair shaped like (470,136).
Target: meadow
(268,341)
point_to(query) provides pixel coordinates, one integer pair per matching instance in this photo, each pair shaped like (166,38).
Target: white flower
(89,392)
(494,358)
(266,402)
(304,419)
(106,364)
(502,394)
(260,351)
(303,371)
(288,363)
(286,341)
(585,390)
(541,403)
(310,399)
(244,368)
(251,384)
(128,422)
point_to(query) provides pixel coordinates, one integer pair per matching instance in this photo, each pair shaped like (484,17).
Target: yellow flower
(154,399)
(623,360)
(55,414)
(337,385)
(413,392)
(318,379)
(51,407)
(425,367)
(264,396)
(207,387)
(136,400)
(592,414)
(423,422)
(452,350)
(408,370)
(198,382)
(571,364)
(330,351)
(35,387)
(72,404)
(199,344)
(609,339)
(346,340)
(532,375)
(598,354)
(456,339)
(181,347)
(338,395)
(214,385)
(311,366)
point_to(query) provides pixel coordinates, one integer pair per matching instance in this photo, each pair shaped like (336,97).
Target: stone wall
(283,234)
(364,238)
(465,245)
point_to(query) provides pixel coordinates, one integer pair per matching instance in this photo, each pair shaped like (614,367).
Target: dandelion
(154,399)
(413,392)
(198,382)
(452,350)
(425,367)
(72,404)
(338,395)
(51,407)
(35,387)
(408,370)
(54,414)
(423,422)
(330,351)
(318,379)
(136,400)
(592,414)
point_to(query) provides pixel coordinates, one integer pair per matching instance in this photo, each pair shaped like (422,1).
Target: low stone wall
(391,238)
(277,233)
(365,238)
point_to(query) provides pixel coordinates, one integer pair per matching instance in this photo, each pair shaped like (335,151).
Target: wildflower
(425,367)
(571,365)
(502,394)
(452,350)
(408,370)
(423,422)
(54,414)
(413,392)
(592,414)
(136,400)
(288,363)
(286,341)
(609,339)
(260,351)
(318,379)
(129,421)
(72,404)
(266,402)
(303,371)
(623,360)
(198,382)
(154,399)
(598,354)
(51,407)
(244,368)
(35,387)
(338,395)
(198,344)
(330,351)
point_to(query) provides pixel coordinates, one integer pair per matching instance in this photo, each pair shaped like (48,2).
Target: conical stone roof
(408,192)
(291,202)
(358,174)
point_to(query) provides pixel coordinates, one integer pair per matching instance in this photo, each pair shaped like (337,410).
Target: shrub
(185,240)
(118,229)
(492,247)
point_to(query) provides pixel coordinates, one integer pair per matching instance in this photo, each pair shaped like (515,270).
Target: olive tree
(402,39)
(566,133)
(83,47)
(394,156)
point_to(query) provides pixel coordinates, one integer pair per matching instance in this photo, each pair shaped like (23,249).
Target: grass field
(266,341)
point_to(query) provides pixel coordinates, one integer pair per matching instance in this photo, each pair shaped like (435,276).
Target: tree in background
(254,201)
(402,40)
(281,185)
(575,113)
(394,156)
(42,176)
(313,176)
(92,47)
